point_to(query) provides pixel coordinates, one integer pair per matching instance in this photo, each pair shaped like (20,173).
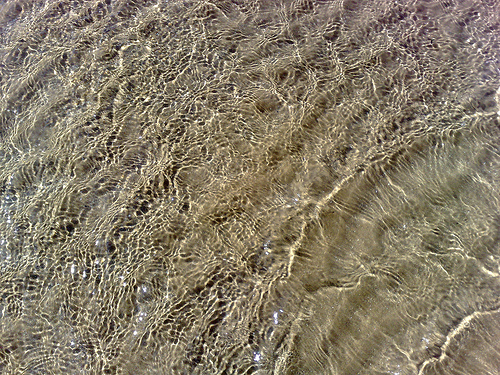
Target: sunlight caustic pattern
(250,187)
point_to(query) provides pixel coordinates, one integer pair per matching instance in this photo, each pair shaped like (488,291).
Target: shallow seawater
(250,187)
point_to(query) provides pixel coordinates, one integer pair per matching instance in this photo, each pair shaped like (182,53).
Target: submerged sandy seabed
(239,187)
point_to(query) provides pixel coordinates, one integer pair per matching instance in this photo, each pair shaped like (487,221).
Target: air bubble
(257,356)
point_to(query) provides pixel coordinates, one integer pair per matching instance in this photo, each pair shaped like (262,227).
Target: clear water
(249,187)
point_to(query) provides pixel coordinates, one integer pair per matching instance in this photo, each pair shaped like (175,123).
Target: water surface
(249,187)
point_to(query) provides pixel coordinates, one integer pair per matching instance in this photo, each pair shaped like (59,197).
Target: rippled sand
(250,187)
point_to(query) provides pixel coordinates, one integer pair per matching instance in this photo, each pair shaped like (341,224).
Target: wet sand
(250,187)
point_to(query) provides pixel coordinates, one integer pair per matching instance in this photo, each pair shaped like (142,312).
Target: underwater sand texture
(250,187)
